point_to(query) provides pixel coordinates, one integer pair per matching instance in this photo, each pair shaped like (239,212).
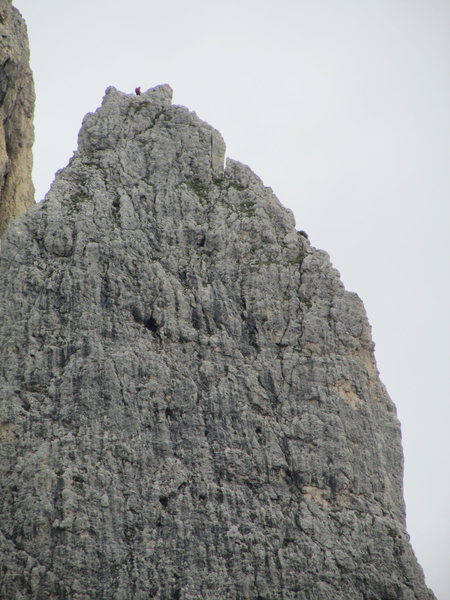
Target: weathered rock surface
(16,116)
(190,406)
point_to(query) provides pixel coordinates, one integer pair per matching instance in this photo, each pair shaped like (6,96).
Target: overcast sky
(342,107)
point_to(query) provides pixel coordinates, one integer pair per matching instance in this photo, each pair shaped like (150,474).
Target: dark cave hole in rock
(148,322)
(170,414)
(151,325)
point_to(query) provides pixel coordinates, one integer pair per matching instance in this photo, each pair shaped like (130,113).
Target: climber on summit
(137,91)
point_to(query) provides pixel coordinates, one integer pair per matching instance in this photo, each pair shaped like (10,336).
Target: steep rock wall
(189,402)
(16,117)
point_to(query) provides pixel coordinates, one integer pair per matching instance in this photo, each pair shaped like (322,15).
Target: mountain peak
(151,120)
(190,402)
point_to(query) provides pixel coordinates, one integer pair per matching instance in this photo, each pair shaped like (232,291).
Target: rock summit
(189,401)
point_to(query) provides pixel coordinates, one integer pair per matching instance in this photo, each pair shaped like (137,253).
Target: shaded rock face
(190,406)
(16,117)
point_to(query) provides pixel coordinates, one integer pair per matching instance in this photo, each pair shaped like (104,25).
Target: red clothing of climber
(137,91)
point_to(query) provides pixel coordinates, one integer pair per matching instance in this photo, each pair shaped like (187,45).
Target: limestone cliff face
(190,406)
(16,116)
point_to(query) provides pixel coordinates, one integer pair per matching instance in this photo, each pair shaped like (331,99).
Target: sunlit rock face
(16,116)
(190,406)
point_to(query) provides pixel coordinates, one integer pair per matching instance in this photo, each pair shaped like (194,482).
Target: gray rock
(190,405)
(16,116)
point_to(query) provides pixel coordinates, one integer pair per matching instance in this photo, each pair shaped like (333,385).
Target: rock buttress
(16,117)
(190,406)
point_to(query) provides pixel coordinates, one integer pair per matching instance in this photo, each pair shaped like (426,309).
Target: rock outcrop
(190,405)
(16,117)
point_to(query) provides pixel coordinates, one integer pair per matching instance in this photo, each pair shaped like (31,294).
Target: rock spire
(189,402)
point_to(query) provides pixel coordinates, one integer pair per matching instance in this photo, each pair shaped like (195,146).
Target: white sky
(342,107)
